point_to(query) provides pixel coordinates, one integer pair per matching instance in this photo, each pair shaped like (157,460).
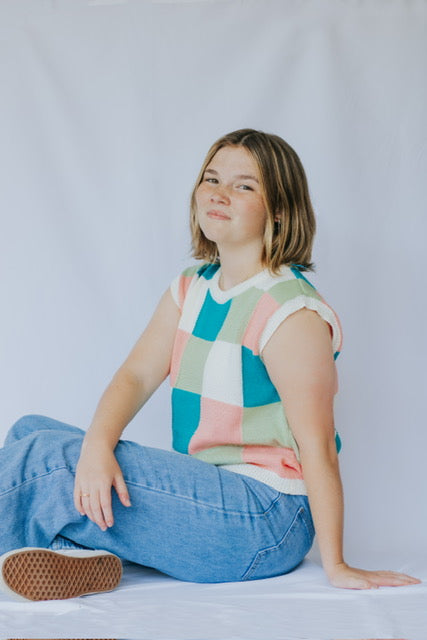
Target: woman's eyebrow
(241,176)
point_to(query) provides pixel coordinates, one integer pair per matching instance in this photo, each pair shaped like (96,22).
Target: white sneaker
(33,573)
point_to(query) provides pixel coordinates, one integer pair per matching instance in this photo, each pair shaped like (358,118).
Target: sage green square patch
(238,316)
(267,425)
(284,291)
(190,374)
(227,454)
(191,271)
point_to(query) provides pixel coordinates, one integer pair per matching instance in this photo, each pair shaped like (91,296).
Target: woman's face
(230,205)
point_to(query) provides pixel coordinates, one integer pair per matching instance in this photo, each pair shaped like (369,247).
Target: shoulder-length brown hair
(290,223)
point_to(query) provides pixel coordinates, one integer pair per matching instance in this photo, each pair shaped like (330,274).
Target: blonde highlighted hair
(290,222)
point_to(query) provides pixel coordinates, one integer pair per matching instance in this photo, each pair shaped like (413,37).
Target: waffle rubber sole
(41,574)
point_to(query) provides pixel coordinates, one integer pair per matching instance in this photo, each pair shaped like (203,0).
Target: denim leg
(37,467)
(24,427)
(188,518)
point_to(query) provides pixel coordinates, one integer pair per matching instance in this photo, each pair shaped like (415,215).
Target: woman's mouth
(217,215)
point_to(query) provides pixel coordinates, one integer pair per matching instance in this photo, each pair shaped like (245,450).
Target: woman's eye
(245,187)
(211,180)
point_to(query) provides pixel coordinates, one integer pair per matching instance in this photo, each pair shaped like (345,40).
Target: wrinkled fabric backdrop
(107,110)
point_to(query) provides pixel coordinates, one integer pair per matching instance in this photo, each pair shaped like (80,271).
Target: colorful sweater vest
(225,409)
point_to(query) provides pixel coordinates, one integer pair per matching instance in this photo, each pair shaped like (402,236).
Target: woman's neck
(237,267)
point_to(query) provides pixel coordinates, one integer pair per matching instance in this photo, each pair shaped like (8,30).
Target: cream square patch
(222,378)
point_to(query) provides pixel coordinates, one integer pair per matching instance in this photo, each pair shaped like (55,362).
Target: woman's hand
(350,578)
(97,472)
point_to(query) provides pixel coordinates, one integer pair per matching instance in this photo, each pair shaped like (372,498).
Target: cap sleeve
(180,285)
(174,289)
(307,298)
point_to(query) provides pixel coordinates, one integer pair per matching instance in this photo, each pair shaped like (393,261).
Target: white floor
(302,605)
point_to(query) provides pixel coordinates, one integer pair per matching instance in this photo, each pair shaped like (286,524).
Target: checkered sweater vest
(225,409)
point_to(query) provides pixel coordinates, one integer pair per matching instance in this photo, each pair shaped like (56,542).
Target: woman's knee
(33,423)
(42,451)
(26,425)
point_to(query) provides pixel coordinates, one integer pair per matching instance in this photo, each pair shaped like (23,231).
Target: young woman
(249,346)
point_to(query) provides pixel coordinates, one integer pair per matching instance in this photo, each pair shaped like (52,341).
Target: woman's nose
(219,194)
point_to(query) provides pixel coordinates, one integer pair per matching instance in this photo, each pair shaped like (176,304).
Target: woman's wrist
(98,441)
(332,568)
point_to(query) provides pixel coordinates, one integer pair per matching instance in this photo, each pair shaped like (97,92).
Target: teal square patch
(257,386)
(185,418)
(211,318)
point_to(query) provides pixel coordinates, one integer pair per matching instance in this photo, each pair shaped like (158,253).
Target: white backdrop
(107,109)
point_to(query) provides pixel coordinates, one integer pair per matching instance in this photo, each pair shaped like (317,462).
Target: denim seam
(197,502)
(310,529)
(273,503)
(128,482)
(29,480)
(261,553)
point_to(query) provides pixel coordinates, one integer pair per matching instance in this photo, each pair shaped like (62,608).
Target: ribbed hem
(284,485)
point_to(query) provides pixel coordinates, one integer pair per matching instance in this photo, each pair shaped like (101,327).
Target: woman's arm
(300,363)
(139,376)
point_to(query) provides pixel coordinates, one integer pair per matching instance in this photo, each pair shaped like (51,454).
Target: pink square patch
(184,283)
(281,460)
(263,311)
(181,339)
(220,424)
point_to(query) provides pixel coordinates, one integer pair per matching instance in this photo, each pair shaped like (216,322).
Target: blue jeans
(189,519)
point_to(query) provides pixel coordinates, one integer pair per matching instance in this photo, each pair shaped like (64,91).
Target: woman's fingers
(352,578)
(96,503)
(78,501)
(97,511)
(97,506)
(105,506)
(120,486)
(81,501)
(392,579)
(88,503)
